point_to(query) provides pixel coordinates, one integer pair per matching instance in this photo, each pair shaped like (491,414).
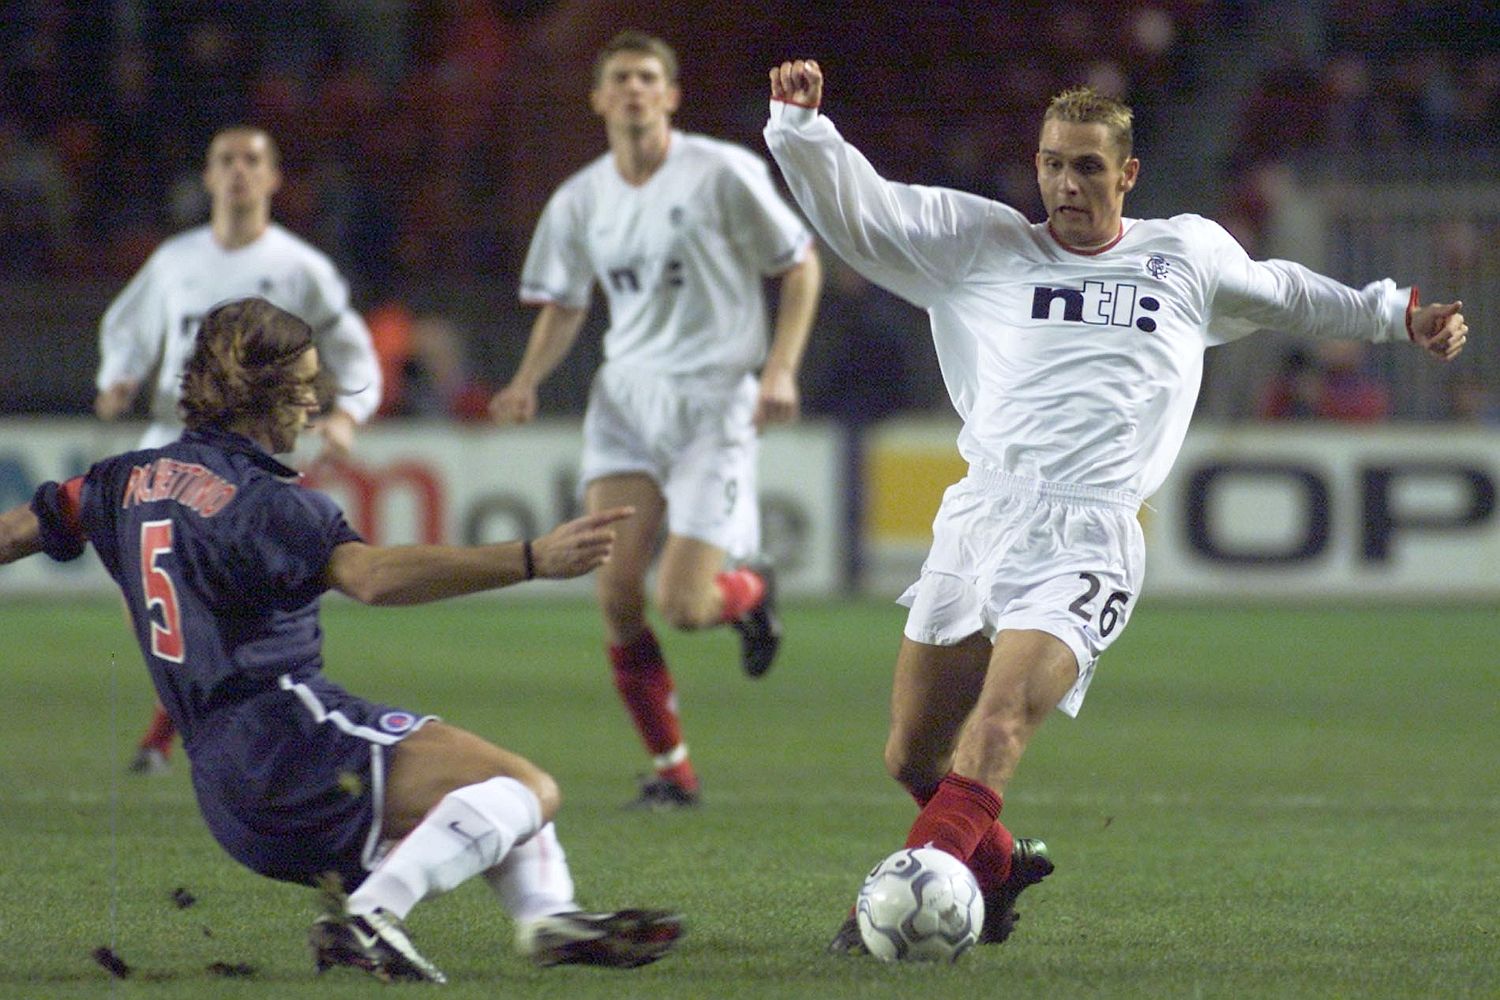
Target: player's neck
(233,230)
(639,155)
(256,431)
(1088,249)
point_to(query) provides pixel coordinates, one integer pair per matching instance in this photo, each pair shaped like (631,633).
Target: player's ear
(674,98)
(1129,175)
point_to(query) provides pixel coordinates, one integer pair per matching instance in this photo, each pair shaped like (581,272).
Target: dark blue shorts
(292,781)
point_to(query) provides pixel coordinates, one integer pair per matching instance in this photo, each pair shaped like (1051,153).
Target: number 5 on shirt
(166,637)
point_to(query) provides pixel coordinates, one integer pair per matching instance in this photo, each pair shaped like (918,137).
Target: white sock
(533,880)
(470,830)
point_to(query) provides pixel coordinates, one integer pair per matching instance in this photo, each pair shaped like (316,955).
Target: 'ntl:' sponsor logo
(1097,303)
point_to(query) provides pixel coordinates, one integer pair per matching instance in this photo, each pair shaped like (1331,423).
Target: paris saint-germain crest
(397,722)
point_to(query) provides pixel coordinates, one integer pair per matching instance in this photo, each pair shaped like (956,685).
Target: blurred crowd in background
(420,140)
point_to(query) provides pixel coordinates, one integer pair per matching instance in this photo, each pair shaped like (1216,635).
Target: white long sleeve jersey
(680,258)
(157,314)
(1068,367)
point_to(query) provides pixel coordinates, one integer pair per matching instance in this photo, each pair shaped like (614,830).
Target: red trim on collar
(1086,253)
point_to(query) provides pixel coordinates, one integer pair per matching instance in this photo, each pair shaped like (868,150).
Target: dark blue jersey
(222,558)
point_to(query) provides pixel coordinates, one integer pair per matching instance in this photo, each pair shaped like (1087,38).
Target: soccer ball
(920,905)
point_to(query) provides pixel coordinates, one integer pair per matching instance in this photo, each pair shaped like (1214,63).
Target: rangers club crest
(1157,266)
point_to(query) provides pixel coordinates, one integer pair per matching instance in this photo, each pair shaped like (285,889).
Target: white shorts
(1015,553)
(694,436)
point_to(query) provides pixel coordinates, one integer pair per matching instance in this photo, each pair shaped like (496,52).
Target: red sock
(992,856)
(742,590)
(645,685)
(159,733)
(956,818)
(991,859)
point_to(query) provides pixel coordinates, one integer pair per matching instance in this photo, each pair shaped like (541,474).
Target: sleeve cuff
(1413,303)
(787,115)
(57,507)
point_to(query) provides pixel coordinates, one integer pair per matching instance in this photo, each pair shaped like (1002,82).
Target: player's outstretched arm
(798,81)
(416,574)
(1439,329)
(20,534)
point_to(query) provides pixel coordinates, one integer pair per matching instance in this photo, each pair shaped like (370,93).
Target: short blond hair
(636,43)
(1083,105)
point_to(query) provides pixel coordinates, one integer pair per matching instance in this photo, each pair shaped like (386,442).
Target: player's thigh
(933,692)
(635,537)
(439,758)
(1029,672)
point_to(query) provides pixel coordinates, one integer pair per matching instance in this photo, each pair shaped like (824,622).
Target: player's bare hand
(798,81)
(115,400)
(1440,330)
(575,547)
(779,401)
(337,431)
(515,404)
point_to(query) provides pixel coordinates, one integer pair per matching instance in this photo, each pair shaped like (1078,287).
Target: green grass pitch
(1254,803)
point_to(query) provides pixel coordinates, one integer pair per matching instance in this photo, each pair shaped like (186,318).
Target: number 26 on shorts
(1110,611)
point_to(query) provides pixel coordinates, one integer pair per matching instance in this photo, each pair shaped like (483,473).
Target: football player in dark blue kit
(222,557)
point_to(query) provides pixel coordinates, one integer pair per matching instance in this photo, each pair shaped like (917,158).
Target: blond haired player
(1073,351)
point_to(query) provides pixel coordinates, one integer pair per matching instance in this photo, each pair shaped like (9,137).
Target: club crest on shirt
(397,722)
(1157,266)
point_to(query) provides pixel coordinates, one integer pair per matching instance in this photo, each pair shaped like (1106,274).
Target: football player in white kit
(679,230)
(1073,352)
(240,252)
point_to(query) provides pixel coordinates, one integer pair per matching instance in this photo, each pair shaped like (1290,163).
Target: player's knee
(919,777)
(547,793)
(684,611)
